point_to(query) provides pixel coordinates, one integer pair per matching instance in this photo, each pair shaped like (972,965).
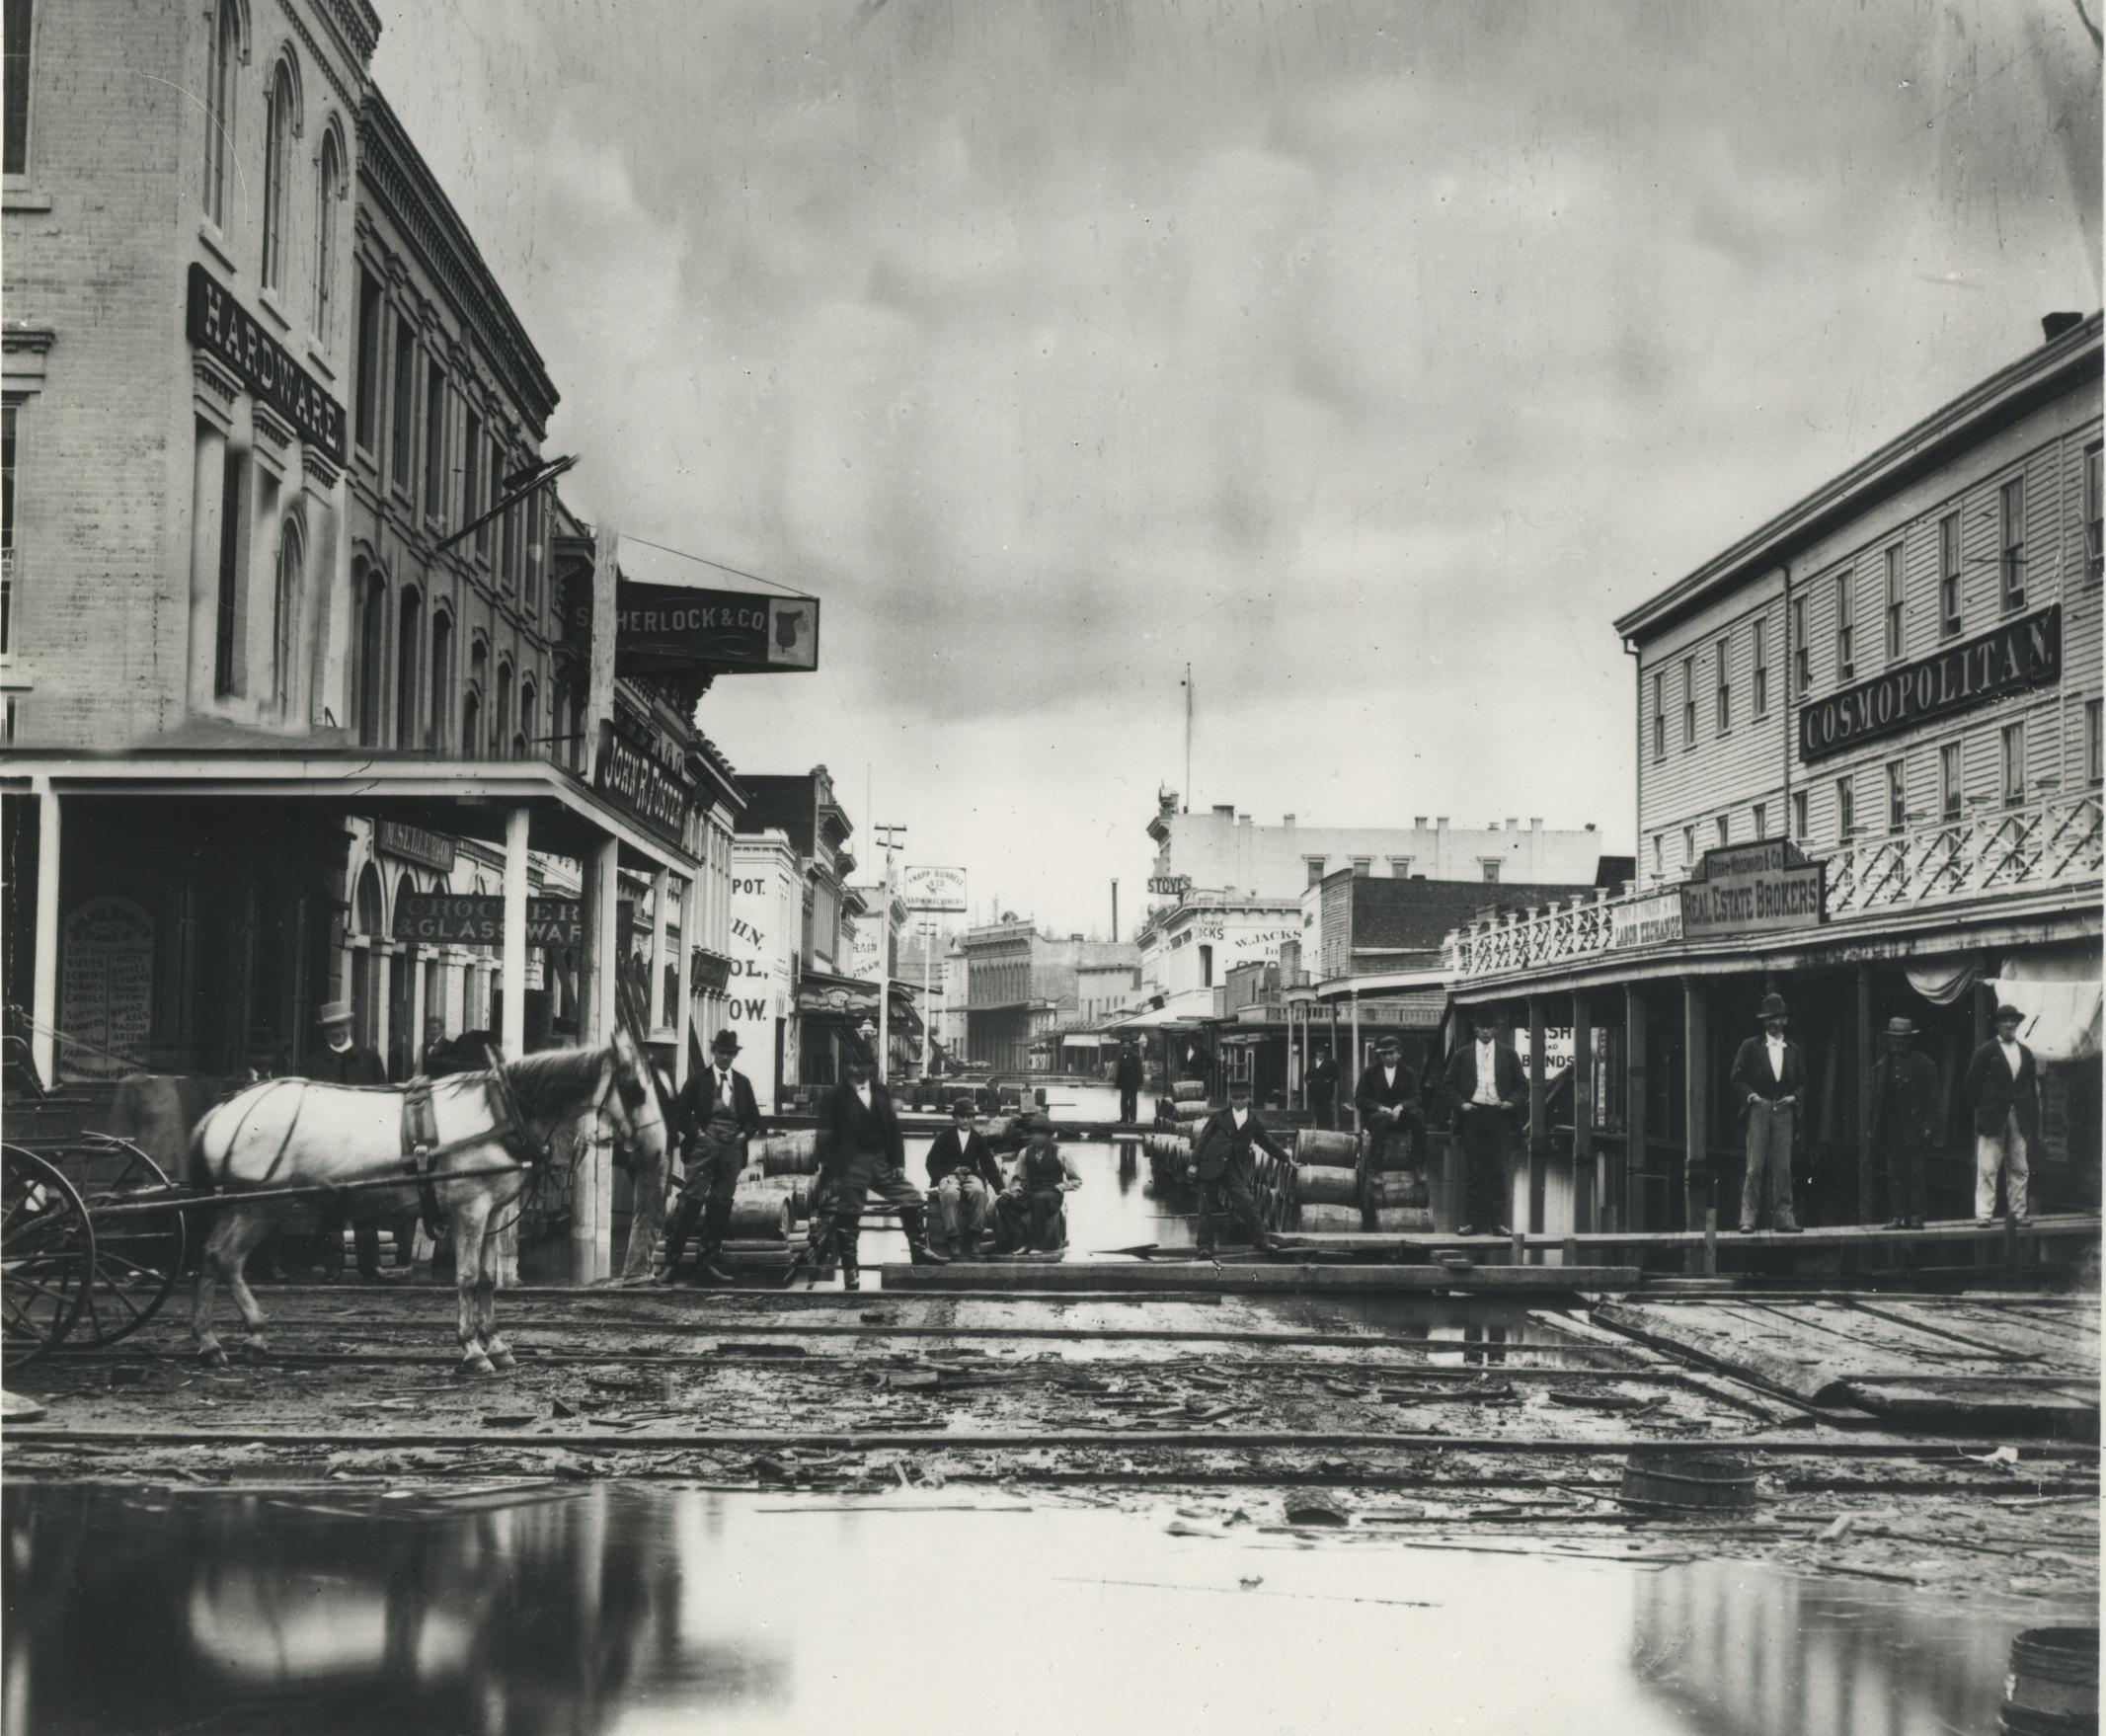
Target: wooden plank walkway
(1200,1275)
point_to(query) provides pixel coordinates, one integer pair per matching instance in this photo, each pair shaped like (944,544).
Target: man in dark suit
(1320,1090)
(966,1179)
(713,1120)
(341,1062)
(1221,1160)
(862,1154)
(1770,1073)
(1487,1097)
(1127,1078)
(1388,1103)
(1904,1117)
(2004,1089)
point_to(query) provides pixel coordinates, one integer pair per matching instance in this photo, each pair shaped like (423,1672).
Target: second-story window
(1725,830)
(1802,653)
(1400,867)
(1897,797)
(1949,573)
(1950,781)
(409,650)
(1660,717)
(1724,691)
(2092,766)
(402,412)
(1758,817)
(1688,702)
(2014,765)
(1362,867)
(1315,866)
(219,87)
(1895,633)
(2011,529)
(16,33)
(1688,847)
(1762,667)
(434,443)
(1491,870)
(366,415)
(280,122)
(1801,827)
(472,478)
(1845,630)
(2094,507)
(7,530)
(441,681)
(1845,808)
(329,192)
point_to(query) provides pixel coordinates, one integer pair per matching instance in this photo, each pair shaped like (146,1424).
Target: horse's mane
(555,1079)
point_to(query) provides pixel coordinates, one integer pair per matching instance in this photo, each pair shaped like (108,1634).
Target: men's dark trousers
(867,1176)
(1031,1219)
(1905,1174)
(1323,1105)
(1228,1193)
(1129,1103)
(1484,1134)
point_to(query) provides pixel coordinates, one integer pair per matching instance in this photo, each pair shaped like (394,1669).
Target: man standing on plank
(1221,1159)
(1770,1073)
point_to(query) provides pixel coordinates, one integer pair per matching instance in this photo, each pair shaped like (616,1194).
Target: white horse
(300,1134)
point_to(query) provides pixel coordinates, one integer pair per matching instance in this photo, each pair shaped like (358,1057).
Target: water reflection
(631,1607)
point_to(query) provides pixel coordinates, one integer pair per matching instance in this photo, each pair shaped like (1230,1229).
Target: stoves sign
(220,324)
(2018,655)
(1754,889)
(640,787)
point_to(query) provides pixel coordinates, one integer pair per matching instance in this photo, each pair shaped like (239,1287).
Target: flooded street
(633,1608)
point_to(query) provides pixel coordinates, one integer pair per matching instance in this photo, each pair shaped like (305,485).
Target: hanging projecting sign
(2018,655)
(1754,889)
(640,787)
(941,890)
(477,918)
(667,629)
(220,324)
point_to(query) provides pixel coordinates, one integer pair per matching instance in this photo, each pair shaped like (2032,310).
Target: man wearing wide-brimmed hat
(2004,1089)
(1902,1120)
(714,1118)
(1770,1073)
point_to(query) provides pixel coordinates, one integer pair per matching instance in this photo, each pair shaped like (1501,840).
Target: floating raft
(1281,1275)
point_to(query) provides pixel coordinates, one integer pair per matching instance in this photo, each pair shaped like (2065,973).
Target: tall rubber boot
(916,1222)
(845,1241)
(707,1271)
(678,1227)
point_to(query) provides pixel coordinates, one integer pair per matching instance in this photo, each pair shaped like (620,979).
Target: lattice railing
(2045,845)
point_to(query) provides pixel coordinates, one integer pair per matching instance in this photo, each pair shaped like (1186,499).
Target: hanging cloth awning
(2058,989)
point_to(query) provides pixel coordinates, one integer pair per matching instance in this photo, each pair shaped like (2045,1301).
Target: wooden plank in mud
(1197,1275)
(1979,1406)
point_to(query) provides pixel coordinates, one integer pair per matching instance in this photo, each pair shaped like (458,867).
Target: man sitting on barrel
(863,1154)
(1222,1160)
(965,1177)
(1030,1215)
(1389,1102)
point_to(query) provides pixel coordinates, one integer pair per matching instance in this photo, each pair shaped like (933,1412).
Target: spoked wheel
(138,1254)
(47,1255)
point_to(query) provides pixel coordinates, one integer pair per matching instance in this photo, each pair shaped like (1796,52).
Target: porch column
(592,1195)
(512,953)
(413,956)
(1585,1194)
(1357,1054)
(1537,1198)
(684,1011)
(1867,1063)
(652,1008)
(1696,1102)
(1625,1191)
(44,987)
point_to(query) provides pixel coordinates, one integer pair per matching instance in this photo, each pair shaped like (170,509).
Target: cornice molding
(273,426)
(214,378)
(19,337)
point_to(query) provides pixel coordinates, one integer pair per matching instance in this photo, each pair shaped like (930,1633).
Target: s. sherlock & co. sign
(2019,655)
(218,323)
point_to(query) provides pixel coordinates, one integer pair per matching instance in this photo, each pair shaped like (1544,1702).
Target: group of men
(2002,1090)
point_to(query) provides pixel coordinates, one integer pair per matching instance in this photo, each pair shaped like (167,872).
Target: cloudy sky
(1369,357)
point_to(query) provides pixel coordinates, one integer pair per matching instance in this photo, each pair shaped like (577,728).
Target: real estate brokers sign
(1754,889)
(2019,655)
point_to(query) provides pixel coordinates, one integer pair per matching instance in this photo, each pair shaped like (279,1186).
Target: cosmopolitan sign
(2020,655)
(1754,889)
(220,324)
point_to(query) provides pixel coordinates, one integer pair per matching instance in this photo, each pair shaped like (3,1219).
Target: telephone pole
(889,836)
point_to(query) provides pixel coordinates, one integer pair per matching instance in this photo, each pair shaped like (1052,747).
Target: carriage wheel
(47,1255)
(138,1255)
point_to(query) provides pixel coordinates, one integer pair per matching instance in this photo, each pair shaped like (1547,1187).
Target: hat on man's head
(335,1012)
(2008,1011)
(1773,1007)
(1899,1027)
(1483,1016)
(1239,1087)
(724,1038)
(1384,1044)
(966,1108)
(1040,1123)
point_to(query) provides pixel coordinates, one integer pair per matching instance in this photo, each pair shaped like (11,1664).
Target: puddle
(640,1608)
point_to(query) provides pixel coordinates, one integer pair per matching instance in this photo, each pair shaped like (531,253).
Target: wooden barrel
(1320,1184)
(1314,1146)
(1404,1221)
(760,1216)
(1326,1220)
(792,1153)
(796,1190)
(1189,1090)
(1399,1187)
(1712,1481)
(2052,1689)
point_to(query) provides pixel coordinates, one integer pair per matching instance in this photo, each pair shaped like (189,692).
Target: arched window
(501,734)
(369,677)
(219,87)
(282,123)
(523,745)
(285,617)
(472,706)
(441,680)
(408,643)
(328,193)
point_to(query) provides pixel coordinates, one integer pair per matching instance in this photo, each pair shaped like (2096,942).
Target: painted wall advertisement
(106,988)
(758,996)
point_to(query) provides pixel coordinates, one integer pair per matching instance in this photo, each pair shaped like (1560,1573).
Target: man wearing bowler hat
(1387,1099)
(714,1118)
(1487,1094)
(1904,1113)
(1770,1073)
(2004,1089)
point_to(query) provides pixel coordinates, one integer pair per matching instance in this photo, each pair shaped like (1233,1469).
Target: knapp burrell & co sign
(1754,889)
(2019,655)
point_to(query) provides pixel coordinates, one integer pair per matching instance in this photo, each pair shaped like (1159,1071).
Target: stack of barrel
(1327,1181)
(1179,1118)
(1396,1198)
(772,1198)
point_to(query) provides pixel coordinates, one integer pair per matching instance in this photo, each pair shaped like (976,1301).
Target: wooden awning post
(1696,1102)
(43,987)
(1586,1195)
(512,955)
(1537,1198)
(1627,1194)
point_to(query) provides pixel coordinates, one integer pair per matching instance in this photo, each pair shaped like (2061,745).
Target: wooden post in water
(1710,1241)
(1629,1190)
(1696,1100)
(1867,1061)
(1538,1118)
(1585,1194)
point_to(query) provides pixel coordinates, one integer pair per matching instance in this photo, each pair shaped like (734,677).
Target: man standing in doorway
(2004,1089)
(863,1154)
(341,1062)
(1388,1105)
(1487,1095)
(715,1117)
(1770,1073)
(1321,1091)
(1222,1160)
(433,1058)
(1128,1080)
(1905,1111)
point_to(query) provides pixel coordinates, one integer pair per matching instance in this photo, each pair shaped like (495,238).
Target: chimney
(1535,824)
(1512,822)
(2057,324)
(1418,822)
(1226,810)
(1286,819)
(1440,824)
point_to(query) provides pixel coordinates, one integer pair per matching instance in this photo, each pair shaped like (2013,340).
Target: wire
(705,561)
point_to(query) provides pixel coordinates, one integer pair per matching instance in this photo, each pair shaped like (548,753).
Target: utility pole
(927,931)
(1188,739)
(889,836)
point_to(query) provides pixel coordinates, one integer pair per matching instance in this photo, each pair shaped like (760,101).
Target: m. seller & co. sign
(2011,659)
